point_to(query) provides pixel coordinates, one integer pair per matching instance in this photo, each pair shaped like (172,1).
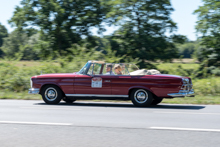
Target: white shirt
(110,73)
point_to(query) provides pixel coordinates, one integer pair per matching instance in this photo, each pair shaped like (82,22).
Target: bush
(17,79)
(208,86)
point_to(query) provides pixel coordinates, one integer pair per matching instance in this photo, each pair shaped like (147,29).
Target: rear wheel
(156,101)
(51,94)
(69,101)
(141,97)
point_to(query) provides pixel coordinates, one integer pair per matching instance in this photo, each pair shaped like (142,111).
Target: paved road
(97,124)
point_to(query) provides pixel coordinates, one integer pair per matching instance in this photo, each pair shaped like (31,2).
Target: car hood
(56,75)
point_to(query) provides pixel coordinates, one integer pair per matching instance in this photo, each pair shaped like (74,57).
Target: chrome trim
(141,96)
(91,62)
(184,86)
(33,91)
(87,68)
(51,94)
(185,80)
(31,82)
(96,95)
(182,93)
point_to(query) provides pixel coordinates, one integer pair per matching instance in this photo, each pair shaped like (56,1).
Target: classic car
(100,80)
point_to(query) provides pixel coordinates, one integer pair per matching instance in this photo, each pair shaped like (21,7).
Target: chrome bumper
(34,91)
(183,93)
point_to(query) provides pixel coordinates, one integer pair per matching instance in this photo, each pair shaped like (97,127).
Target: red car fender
(50,83)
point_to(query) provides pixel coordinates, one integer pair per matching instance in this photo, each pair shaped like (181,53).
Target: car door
(93,83)
(121,84)
(123,81)
(87,84)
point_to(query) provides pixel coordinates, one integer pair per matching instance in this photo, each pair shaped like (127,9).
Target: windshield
(108,69)
(83,70)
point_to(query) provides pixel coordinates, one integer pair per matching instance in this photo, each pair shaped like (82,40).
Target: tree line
(50,29)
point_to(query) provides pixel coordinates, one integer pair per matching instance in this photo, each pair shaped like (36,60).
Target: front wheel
(51,94)
(141,97)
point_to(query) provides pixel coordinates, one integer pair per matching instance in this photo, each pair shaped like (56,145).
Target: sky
(183,16)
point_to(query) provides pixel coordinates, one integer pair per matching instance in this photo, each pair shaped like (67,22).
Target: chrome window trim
(85,72)
(92,63)
(95,95)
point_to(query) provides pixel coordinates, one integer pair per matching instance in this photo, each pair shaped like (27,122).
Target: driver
(109,69)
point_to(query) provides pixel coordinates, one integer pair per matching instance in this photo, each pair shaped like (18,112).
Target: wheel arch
(52,84)
(141,87)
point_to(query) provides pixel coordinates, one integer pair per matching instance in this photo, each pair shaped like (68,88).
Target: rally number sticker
(96,82)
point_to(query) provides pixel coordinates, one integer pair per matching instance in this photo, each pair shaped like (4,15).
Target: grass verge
(208,100)
(18,95)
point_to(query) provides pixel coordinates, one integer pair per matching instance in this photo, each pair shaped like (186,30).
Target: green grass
(181,69)
(18,95)
(207,87)
(208,100)
(172,66)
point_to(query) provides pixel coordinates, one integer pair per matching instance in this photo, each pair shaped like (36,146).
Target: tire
(141,97)
(68,101)
(51,94)
(156,101)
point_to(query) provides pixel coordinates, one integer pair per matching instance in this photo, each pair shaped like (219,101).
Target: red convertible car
(100,80)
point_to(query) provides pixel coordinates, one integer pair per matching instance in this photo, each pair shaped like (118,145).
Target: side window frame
(86,71)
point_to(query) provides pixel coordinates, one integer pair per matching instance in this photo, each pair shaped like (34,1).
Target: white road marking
(50,108)
(35,123)
(186,129)
(187,113)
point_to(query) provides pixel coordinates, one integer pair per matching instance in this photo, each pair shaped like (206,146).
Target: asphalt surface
(98,124)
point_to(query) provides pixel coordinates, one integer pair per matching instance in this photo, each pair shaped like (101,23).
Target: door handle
(107,81)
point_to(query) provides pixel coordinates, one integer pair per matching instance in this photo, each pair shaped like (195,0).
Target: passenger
(118,69)
(109,69)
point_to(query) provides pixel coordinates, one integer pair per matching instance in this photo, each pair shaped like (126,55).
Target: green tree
(12,44)
(61,22)
(144,24)
(208,27)
(3,34)
(189,49)
(19,46)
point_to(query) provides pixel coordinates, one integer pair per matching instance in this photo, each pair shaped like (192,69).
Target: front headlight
(31,82)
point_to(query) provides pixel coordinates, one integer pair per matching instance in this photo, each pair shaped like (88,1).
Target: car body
(94,81)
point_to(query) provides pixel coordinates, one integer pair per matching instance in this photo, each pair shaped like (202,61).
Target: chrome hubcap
(141,96)
(51,94)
